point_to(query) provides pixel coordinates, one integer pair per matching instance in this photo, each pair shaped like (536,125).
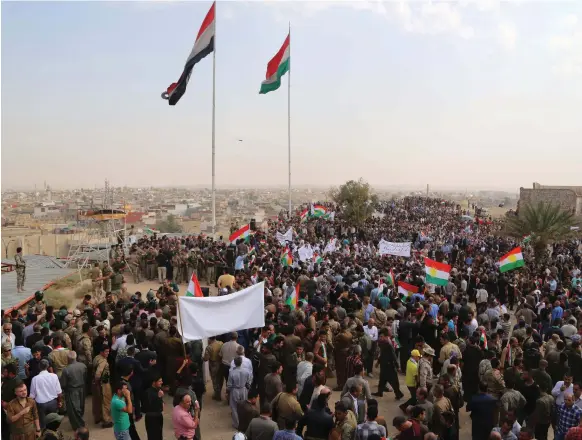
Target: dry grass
(69,289)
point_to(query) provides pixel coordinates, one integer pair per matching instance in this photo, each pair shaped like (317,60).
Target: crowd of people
(504,347)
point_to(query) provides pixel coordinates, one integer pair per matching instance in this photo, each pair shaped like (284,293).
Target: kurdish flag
(286,259)
(194,287)
(390,278)
(406,289)
(277,67)
(436,273)
(150,231)
(304,215)
(203,46)
(317,259)
(318,211)
(511,260)
(483,339)
(293,298)
(243,233)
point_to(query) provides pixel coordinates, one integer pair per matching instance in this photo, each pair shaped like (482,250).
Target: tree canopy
(169,225)
(543,222)
(356,200)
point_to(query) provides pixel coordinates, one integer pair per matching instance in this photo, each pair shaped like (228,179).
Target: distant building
(568,197)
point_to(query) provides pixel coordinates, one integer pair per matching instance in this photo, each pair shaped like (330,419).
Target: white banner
(305,253)
(200,318)
(284,238)
(330,247)
(398,249)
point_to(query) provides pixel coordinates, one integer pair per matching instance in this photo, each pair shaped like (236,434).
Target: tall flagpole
(289,118)
(213,128)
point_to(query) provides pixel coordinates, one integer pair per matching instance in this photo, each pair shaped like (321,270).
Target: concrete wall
(56,245)
(566,198)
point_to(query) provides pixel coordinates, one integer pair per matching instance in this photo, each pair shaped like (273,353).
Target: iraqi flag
(194,287)
(203,46)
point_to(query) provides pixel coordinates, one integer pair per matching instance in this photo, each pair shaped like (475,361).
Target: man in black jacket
(154,407)
(318,419)
(388,363)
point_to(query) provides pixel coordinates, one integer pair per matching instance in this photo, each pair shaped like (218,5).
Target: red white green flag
(194,287)
(286,259)
(293,298)
(243,233)
(277,67)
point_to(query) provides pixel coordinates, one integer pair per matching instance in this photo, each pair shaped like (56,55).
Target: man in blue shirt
(23,354)
(557,311)
(289,432)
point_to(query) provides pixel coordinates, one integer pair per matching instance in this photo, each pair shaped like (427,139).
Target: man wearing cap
(425,372)
(53,423)
(411,378)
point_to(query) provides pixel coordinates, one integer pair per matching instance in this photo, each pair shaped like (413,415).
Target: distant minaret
(49,195)
(427,189)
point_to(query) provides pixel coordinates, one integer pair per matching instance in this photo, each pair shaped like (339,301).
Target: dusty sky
(472,95)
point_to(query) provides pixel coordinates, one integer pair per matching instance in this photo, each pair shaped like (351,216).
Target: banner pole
(289,119)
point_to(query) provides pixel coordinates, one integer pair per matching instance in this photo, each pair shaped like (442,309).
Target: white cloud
(507,35)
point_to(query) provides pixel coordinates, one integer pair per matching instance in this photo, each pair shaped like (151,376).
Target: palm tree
(543,222)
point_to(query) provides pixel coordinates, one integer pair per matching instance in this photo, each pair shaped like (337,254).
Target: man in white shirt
(45,389)
(372,331)
(561,388)
(304,370)
(481,296)
(246,362)
(7,335)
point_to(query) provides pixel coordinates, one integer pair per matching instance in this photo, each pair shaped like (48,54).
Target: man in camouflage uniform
(177,263)
(96,281)
(150,257)
(212,355)
(84,349)
(20,270)
(134,264)
(107,274)
(116,283)
(102,389)
(192,265)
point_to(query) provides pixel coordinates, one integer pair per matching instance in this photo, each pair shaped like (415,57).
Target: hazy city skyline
(458,95)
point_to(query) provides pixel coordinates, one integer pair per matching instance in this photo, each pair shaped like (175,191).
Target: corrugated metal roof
(38,261)
(36,279)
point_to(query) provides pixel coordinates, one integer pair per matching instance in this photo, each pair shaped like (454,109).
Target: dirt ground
(216,422)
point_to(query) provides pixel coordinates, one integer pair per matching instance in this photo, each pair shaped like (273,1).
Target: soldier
(20,270)
(212,355)
(177,264)
(71,330)
(84,349)
(116,283)
(96,280)
(150,258)
(107,274)
(192,261)
(134,261)
(102,389)
(58,357)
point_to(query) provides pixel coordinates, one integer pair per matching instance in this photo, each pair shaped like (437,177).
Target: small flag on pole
(203,46)
(194,287)
(293,299)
